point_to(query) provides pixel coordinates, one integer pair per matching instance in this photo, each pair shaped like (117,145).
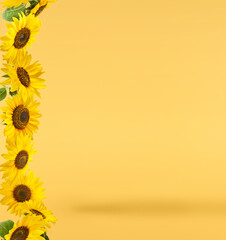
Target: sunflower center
(21,233)
(21,38)
(20,117)
(36,212)
(40,10)
(22,193)
(23,76)
(21,159)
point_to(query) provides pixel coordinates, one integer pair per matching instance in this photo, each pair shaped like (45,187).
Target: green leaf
(5,227)
(9,13)
(44,235)
(3,93)
(6,76)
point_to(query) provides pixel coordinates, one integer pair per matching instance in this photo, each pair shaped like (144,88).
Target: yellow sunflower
(22,189)
(20,35)
(41,6)
(19,154)
(24,76)
(14,3)
(20,116)
(30,228)
(38,209)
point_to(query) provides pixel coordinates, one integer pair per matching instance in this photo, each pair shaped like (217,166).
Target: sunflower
(30,228)
(20,35)
(14,3)
(38,209)
(22,189)
(20,117)
(24,76)
(41,6)
(19,154)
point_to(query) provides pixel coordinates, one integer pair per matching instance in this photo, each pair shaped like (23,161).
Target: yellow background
(132,142)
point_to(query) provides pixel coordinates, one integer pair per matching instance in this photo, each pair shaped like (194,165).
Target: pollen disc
(21,233)
(21,159)
(40,10)
(21,193)
(21,38)
(23,76)
(20,117)
(36,212)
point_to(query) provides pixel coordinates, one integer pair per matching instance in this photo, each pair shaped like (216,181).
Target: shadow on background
(154,207)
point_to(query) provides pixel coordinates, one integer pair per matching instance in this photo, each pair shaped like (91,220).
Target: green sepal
(12,93)
(6,76)
(3,122)
(3,93)
(5,227)
(12,12)
(33,3)
(44,235)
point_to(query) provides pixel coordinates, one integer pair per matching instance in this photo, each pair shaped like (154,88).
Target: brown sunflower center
(23,76)
(21,159)
(22,193)
(40,10)
(21,38)
(21,233)
(36,212)
(20,117)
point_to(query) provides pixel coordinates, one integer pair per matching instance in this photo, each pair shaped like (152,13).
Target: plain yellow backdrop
(132,142)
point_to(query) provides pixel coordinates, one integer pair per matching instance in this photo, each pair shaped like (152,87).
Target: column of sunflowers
(22,191)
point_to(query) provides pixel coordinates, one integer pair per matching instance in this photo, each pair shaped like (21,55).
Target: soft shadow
(154,207)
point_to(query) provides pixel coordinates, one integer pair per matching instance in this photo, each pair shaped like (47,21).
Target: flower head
(19,154)
(20,35)
(38,209)
(24,76)
(20,117)
(30,228)
(22,189)
(43,4)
